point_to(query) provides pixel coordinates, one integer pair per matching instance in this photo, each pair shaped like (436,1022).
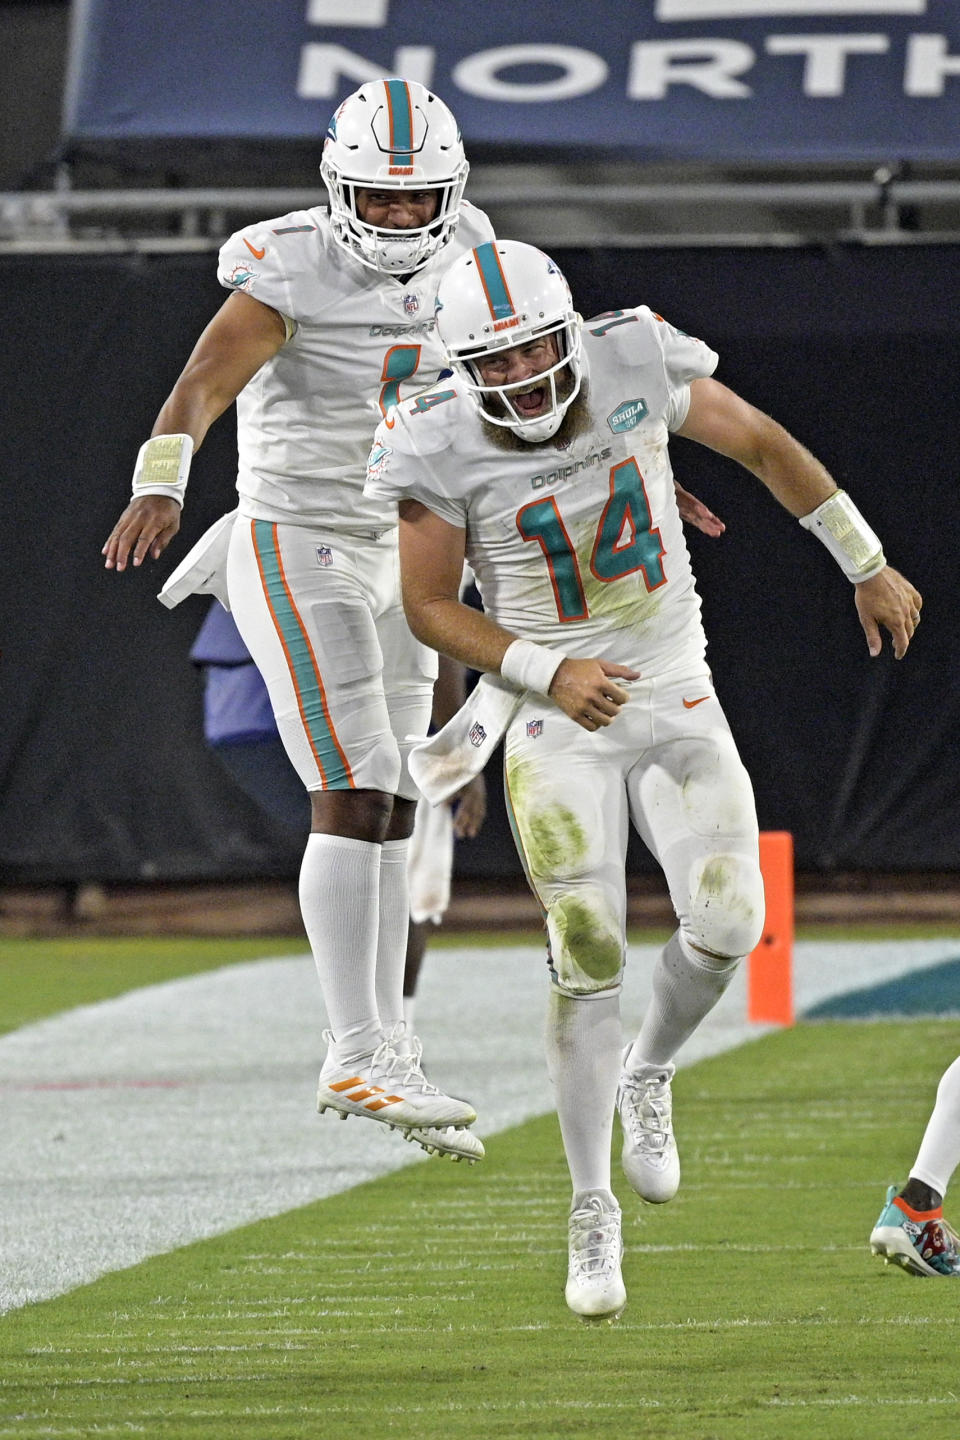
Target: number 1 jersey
(357,343)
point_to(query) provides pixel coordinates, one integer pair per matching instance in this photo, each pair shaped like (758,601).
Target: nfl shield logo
(477,733)
(411,304)
(534,728)
(324,555)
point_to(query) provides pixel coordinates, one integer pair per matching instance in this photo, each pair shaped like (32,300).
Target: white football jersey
(580,548)
(359,343)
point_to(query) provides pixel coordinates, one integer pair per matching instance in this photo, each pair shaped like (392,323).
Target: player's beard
(576,422)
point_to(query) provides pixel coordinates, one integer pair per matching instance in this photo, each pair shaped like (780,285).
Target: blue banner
(661,80)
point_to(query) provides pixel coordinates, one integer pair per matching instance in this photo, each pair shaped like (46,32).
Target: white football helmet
(501,295)
(393,135)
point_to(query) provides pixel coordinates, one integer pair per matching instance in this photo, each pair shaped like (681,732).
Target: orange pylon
(770,967)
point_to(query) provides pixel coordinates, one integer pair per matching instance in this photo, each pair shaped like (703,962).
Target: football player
(329,322)
(911,1231)
(544,461)
(240,728)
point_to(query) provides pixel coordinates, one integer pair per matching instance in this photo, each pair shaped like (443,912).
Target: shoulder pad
(475,223)
(428,421)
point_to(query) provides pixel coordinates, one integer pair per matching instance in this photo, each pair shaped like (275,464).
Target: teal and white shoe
(921,1243)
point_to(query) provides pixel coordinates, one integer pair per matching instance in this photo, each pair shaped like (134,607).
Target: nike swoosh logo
(257,254)
(692,704)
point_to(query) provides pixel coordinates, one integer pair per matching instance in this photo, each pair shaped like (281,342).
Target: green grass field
(429,1304)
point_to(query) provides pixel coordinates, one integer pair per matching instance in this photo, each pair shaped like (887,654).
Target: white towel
(203,570)
(430,862)
(442,764)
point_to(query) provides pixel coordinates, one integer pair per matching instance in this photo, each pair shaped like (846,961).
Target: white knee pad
(586,942)
(726,908)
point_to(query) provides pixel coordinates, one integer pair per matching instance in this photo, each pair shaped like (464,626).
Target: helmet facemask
(562,380)
(504,295)
(393,135)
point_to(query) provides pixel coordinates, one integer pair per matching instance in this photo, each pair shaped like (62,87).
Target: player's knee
(586,942)
(378,766)
(726,905)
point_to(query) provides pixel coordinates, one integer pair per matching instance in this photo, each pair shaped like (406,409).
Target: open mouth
(529,402)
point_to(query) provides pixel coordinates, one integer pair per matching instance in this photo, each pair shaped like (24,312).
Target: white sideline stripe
(183,1110)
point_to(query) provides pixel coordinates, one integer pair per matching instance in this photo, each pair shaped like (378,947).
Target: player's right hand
(586,690)
(470,809)
(888,599)
(145,528)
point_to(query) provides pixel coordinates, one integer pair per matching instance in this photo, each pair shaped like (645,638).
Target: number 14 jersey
(581,547)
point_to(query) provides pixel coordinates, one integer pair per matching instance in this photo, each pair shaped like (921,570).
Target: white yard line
(184,1110)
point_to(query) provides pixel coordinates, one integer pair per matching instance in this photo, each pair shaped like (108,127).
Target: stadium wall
(103,770)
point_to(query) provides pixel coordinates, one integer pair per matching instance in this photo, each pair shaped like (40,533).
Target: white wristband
(162,467)
(848,537)
(530,666)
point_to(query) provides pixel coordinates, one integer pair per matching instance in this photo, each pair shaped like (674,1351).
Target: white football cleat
(595,1289)
(389,1087)
(649,1158)
(456,1144)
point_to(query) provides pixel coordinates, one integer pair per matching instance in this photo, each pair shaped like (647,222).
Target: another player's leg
(416,950)
(917,1238)
(408,673)
(429,873)
(429,864)
(911,1231)
(692,802)
(311,633)
(583,1060)
(372,1068)
(567,813)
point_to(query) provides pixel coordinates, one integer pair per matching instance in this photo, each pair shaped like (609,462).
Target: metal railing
(882,210)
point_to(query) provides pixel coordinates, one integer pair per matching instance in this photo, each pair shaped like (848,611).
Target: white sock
(686,986)
(584,1041)
(392,932)
(939,1153)
(580,1197)
(339,902)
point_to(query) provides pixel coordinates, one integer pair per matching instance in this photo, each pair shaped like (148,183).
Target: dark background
(103,770)
(33,60)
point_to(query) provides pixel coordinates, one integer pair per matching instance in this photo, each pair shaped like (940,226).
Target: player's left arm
(723,421)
